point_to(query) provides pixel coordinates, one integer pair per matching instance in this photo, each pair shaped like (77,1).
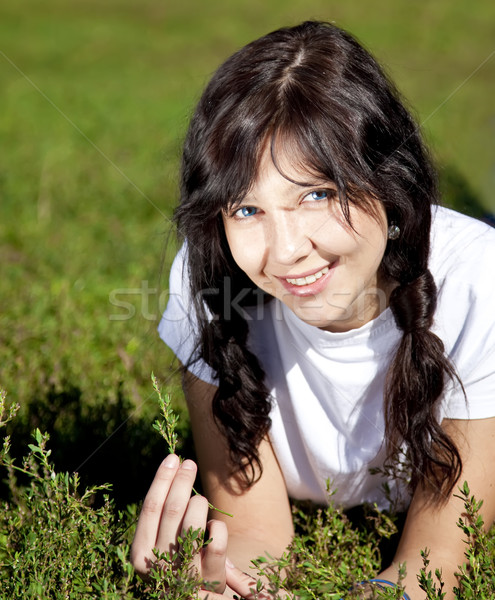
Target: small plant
(53,542)
(58,542)
(397,468)
(173,574)
(426,581)
(330,557)
(165,428)
(477,576)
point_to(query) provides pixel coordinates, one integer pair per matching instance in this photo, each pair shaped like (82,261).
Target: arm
(262,520)
(434,527)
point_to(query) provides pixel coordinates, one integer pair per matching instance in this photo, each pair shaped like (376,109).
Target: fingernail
(229,563)
(171,461)
(188,464)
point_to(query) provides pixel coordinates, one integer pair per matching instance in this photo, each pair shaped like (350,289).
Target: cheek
(335,241)
(363,252)
(245,251)
(378,244)
(371,237)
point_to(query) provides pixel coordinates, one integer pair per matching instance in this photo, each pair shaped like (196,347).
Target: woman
(329,316)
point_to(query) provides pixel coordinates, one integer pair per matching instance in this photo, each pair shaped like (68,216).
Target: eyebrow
(324,183)
(317,181)
(320,183)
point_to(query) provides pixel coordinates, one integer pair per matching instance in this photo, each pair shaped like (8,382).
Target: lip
(310,289)
(306,273)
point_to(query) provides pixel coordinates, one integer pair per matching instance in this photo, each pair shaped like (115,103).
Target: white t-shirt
(327,388)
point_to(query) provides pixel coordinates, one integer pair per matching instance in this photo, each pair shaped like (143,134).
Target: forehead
(289,164)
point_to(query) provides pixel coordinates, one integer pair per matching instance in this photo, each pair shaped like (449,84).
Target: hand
(169,510)
(243,585)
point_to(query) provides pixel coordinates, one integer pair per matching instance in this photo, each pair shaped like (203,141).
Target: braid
(240,405)
(413,304)
(415,382)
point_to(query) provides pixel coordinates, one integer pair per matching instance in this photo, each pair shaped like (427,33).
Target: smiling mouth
(300,281)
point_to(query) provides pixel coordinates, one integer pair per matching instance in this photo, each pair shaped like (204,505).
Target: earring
(393,232)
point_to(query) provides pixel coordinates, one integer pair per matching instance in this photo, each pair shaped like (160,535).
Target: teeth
(309,279)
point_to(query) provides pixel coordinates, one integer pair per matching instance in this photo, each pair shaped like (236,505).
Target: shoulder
(461,262)
(178,271)
(462,258)
(462,248)
(179,326)
(178,293)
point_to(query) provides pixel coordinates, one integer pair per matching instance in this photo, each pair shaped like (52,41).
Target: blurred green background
(94,101)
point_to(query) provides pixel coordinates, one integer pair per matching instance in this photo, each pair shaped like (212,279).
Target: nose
(289,243)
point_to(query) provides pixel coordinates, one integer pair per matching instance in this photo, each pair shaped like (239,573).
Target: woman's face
(294,243)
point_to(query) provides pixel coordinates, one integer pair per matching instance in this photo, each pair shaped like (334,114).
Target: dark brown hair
(316,89)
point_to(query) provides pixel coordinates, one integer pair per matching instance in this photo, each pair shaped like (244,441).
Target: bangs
(296,144)
(290,148)
(295,141)
(317,165)
(236,144)
(314,135)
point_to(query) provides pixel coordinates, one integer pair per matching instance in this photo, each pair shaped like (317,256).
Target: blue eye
(246,211)
(318,195)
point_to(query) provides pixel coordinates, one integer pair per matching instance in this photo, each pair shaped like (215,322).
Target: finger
(196,514)
(206,595)
(175,506)
(243,584)
(195,518)
(215,554)
(147,527)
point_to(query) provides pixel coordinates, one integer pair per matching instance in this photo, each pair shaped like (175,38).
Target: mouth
(300,281)
(310,284)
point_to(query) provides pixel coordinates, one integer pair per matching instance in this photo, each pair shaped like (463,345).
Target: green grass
(59,540)
(95,98)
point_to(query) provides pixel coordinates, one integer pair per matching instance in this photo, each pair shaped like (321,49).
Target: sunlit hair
(316,96)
